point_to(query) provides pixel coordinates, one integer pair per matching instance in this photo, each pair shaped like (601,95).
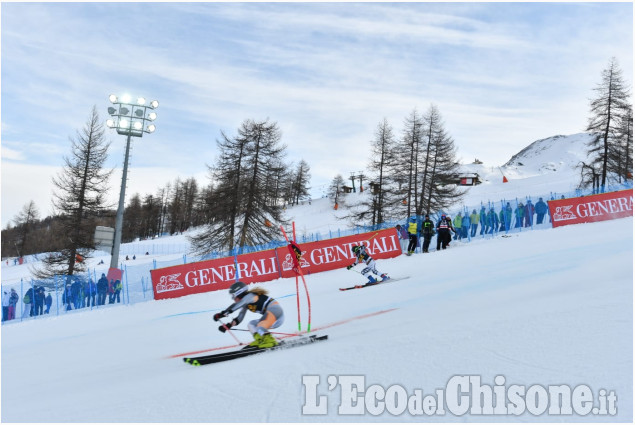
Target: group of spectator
(79,295)
(75,295)
(465,225)
(9,302)
(34,301)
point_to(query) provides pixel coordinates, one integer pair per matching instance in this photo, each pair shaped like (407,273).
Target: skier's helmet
(237,290)
(356,249)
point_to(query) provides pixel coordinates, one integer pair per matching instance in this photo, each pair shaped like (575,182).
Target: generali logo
(564,213)
(169,283)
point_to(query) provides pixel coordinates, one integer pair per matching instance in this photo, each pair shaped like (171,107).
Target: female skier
(258,301)
(361,256)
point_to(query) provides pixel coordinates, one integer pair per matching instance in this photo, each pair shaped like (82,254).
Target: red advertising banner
(213,275)
(331,254)
(586,209)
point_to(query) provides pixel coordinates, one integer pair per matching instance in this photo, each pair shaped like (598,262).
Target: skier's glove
(220,315)
(225,327)
(349,267)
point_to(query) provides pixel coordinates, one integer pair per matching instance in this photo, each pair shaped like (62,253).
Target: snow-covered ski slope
(547,307)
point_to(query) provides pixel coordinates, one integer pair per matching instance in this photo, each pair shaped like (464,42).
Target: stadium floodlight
(131,120)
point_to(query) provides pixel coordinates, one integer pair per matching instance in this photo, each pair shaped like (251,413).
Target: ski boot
(371,281)
(384,276)
(257,340)
(267,341)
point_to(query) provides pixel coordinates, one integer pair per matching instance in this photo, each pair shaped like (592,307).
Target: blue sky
(502,75)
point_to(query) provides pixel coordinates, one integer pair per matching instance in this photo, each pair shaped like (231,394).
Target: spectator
(529,214)
(39,301)
(506,217)
(13,302)
(5,305)
(48,301)
(465,227)
(457,225)
(102,288)
(86,293)
(117,288)
(519,213)
(134,257)
(492,219)
(67,297)
(76,293)
(127,258)
(28,303)
(147,253)
(444,226)
(101,262)
(427,231)
(541,210)
(474,219)
(403,237)
(412,235)
(483,220)
(111,291)
(91,293)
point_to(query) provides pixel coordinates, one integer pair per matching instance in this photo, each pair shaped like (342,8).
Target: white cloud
(12,154)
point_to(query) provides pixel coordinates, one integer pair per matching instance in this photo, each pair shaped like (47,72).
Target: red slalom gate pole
(297,291)
(299,271)
(297,297)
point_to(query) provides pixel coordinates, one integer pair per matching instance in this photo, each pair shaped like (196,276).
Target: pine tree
(439,167)
(384,202)
(300,181)
(411,148)
(79,195)
(243,207)
(335,189)
(25,221)
(606,109)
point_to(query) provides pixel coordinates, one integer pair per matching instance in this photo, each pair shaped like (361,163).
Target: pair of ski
(388,280)
(250,350)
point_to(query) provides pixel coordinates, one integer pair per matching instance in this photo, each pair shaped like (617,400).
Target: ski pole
(276,333)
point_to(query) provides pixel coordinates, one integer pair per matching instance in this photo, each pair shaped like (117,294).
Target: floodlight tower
(132,120)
